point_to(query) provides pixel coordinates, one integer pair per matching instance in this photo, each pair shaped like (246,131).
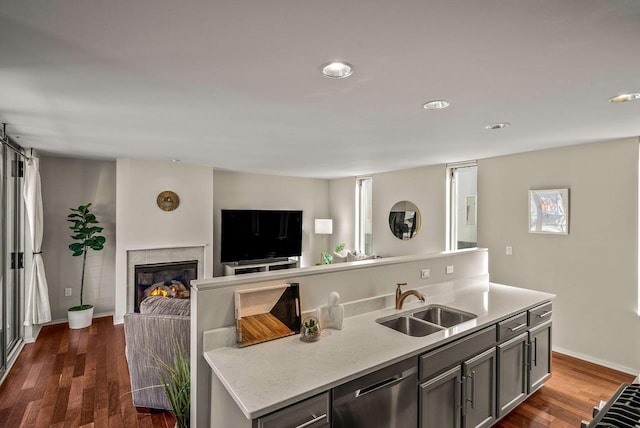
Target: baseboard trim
(66,320)
(597,361)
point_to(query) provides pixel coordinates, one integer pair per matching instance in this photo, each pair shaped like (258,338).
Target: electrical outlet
(67,292)
(425,273)
(508,250)
(449,269)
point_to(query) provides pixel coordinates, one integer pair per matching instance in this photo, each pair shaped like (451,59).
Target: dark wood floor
(73,378)
(80,378)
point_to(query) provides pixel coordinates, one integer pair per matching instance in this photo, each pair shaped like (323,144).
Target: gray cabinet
(479,390)
(512,373)
(465,394)
(540,358)
(524,356)
(311,413)
(440,400)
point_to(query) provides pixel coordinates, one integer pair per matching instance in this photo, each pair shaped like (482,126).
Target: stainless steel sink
(443,316)
(428,320)
(410,326)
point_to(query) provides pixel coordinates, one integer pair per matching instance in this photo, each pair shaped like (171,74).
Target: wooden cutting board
(260,328)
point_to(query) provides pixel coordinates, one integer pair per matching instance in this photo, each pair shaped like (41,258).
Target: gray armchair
(161,325)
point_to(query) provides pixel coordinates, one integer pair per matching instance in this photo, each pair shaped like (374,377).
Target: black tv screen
(260,234)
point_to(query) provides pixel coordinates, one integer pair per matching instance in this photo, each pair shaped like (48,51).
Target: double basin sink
(427,320)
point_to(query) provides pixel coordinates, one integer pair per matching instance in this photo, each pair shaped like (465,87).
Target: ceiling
(237,85)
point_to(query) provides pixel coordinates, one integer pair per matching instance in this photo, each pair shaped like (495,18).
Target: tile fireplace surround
(160,254)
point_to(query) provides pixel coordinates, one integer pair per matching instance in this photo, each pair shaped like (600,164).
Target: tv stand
(254,266)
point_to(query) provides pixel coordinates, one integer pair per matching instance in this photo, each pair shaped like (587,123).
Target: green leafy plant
(311,325)
(340,247)
(85,231)
(175,377)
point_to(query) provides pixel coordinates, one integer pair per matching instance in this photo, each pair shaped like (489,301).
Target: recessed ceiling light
(435,105)
(498,125)
(337,70)
(623,98)
(175,160)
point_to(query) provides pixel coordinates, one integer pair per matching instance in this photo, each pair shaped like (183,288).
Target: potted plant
(85,232)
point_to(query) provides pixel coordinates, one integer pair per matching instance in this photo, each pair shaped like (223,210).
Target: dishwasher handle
(380,385)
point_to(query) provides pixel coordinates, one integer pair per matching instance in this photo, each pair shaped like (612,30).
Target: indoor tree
(85,232)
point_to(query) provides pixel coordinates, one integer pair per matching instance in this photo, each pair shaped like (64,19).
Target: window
(462,202)
(364,210)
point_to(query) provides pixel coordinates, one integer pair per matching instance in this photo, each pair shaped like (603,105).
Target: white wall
(69,183)
(424,186)
(141,224)
(236,190)
(594,269)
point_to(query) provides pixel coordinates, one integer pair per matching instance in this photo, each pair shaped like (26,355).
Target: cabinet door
(479,374)
(512,373)
(540,348)
(440,400)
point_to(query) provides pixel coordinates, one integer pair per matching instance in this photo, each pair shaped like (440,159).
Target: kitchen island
(268,377)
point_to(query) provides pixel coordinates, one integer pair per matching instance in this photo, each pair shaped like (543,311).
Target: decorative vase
(80,319)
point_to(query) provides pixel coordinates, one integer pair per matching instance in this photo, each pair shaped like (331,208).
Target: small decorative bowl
(310,330)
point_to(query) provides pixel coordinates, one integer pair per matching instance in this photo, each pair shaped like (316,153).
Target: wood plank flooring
(74,378)
(80,378)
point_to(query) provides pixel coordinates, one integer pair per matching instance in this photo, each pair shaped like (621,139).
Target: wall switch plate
(508,250)
(67,292)
(425,273)
(449,269)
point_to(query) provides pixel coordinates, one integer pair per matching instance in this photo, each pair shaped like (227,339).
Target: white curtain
(37,308)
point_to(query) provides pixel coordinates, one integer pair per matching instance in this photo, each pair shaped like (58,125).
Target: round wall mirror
(404,220)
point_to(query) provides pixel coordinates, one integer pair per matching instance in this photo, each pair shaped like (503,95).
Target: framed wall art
(549,211)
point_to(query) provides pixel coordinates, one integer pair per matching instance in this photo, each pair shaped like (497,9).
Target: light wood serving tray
(267,313)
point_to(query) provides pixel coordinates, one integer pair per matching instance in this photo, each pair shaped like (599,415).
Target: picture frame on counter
(549,211)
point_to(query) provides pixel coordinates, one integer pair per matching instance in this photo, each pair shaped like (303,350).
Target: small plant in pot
(85,232)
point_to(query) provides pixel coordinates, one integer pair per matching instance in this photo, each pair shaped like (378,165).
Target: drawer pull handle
(518,327)
(545,314)
(312,421)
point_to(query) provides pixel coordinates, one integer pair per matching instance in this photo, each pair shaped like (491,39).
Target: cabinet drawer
(540,314)
(512,326)
(449,355)
(311,413)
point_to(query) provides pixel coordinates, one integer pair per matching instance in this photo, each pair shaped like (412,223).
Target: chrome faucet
(400,296)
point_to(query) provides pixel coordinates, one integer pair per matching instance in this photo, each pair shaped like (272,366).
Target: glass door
(12,239)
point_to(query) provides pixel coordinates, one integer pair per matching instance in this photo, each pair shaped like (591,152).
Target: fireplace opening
(170,280)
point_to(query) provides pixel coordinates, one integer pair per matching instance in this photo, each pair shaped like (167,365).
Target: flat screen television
(260,235)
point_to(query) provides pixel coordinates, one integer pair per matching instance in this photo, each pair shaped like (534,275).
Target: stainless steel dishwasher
(387,398)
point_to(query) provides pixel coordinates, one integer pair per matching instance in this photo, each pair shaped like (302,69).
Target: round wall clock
(168,200)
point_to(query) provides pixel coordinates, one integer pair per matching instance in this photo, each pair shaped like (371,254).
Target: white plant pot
(80,319)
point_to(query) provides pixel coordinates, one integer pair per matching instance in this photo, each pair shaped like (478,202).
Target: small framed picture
(549,211)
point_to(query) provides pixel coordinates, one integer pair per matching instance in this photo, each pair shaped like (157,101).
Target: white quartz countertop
(266,377)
